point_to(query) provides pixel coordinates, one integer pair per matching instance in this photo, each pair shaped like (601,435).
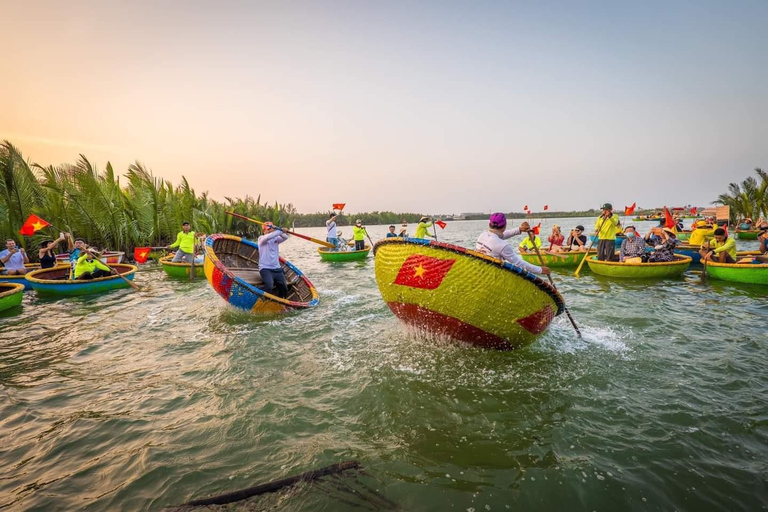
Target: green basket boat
(328,255)
(557,259)
(749,273)
(10,295)
(747,235)
(55,281)
(182,269)
(640,270)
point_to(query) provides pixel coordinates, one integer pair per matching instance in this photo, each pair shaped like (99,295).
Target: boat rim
(680,259)
(14,288)
(169,263)
(327,250)
(33,279)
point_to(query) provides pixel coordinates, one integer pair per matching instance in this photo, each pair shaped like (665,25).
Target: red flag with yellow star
(140,254)
(419,271)
(32,224)
(441,223)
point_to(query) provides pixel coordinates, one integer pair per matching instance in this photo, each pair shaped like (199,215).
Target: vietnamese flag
(546,207)
(669,222)
(32,224)
(339,206)
(525,208)
(536,229)
(629,210)
(419,271)
(140,254)
(441,223)
(693,211)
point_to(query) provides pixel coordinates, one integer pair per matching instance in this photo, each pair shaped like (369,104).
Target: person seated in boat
(633,248)
(722,249)
(342,245)
(358,234)
(653,237)
(185,241)
(75,248)
(421,229)
(745,225)
(577,241)
(46,254)
(270,269)
(392,233)
(331,233)
(700,232)
(763,238)
(527,246)
(556,240)
(13,259)
(665,251)
(89,267)
(492,243)
(404,229)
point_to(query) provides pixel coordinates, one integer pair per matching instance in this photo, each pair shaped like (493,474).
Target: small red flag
(629,210)
(525,208)
(32,224)
(546,207)
(441,223)
(140,254)
(669,222)
(693,211)
(528,212)
(725,227)
(339,206)
(419,271)
(536,229)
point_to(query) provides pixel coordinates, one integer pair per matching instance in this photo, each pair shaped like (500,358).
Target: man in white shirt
(270,269)
(13,259)
(330,229)
(492,243)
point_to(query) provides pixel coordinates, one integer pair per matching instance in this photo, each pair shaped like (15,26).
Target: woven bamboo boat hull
(328,255)
(566,260)
(463,294)
(55,281)
(22,280)
(617,242)
(683,235)
(181,269)
(747,235)
(640,270)
(109,257)
(744,273)
(231,268)
(10,295)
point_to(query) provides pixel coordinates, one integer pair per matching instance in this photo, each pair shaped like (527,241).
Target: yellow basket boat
(457,292)
(640,270)
(557,259)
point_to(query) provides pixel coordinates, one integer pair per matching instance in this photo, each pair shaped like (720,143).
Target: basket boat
(557,259)
(693,253)
(640,270)
(22,280)
(108,257)
(180,269)
(463,294)
(750,273)
(55,281)
(747,234)
(232,269)
(330,255)
(683,235)
(10,295)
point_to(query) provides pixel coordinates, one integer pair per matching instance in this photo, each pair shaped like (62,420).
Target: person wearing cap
(358,234)
(605,227)
(492,243)
(88,267)
(577,240)
(665,251)
(392,233)
(330,230)
(342,243)
(763,237)
(633,248)
(722,249)
(13,259)
(185,241)
(270,268)
(421,229)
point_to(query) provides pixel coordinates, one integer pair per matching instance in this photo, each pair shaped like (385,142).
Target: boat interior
(61,272)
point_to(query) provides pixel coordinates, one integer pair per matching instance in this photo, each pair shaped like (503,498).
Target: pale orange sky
(432,107)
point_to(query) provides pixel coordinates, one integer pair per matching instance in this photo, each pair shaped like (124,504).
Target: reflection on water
(142,400)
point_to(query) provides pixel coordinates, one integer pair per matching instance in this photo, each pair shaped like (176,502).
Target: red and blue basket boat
(463,294)
(232,269)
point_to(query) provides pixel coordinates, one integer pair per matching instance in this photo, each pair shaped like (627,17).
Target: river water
(142,400)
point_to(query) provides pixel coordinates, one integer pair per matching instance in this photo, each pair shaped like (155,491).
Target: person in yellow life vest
(88,267)
(185,241)
(421,229)
(606,226)
(722,249)
(526,245)
(358,233)
(700,233)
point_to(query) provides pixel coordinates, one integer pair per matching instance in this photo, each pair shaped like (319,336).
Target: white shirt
(492,245)
(269,254)
(330,227)
(15,262)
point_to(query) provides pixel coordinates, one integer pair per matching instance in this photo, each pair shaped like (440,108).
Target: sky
(440,107)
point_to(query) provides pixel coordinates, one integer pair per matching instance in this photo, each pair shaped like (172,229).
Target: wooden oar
(369,237)
(591,243)
(305,237)
(541,260)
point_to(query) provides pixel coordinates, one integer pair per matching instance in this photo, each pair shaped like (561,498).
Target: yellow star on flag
(38,225)
(419,271)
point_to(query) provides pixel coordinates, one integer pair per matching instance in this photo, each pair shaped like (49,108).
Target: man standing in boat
(330,230)
(605,226)
(185,241)
(492,243)
(270,269)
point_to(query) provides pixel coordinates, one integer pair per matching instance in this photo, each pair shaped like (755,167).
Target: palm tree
(748,199)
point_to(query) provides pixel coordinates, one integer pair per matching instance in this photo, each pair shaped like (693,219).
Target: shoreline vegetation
(137,209)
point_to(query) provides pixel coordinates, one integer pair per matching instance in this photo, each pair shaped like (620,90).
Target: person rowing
(722,249)
(527,246)
(358,234)
(88,267)
(605,226)
(492,243)
(270,269)
(185,241)
(421,229)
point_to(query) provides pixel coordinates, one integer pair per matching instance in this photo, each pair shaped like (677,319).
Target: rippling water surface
(142,400)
